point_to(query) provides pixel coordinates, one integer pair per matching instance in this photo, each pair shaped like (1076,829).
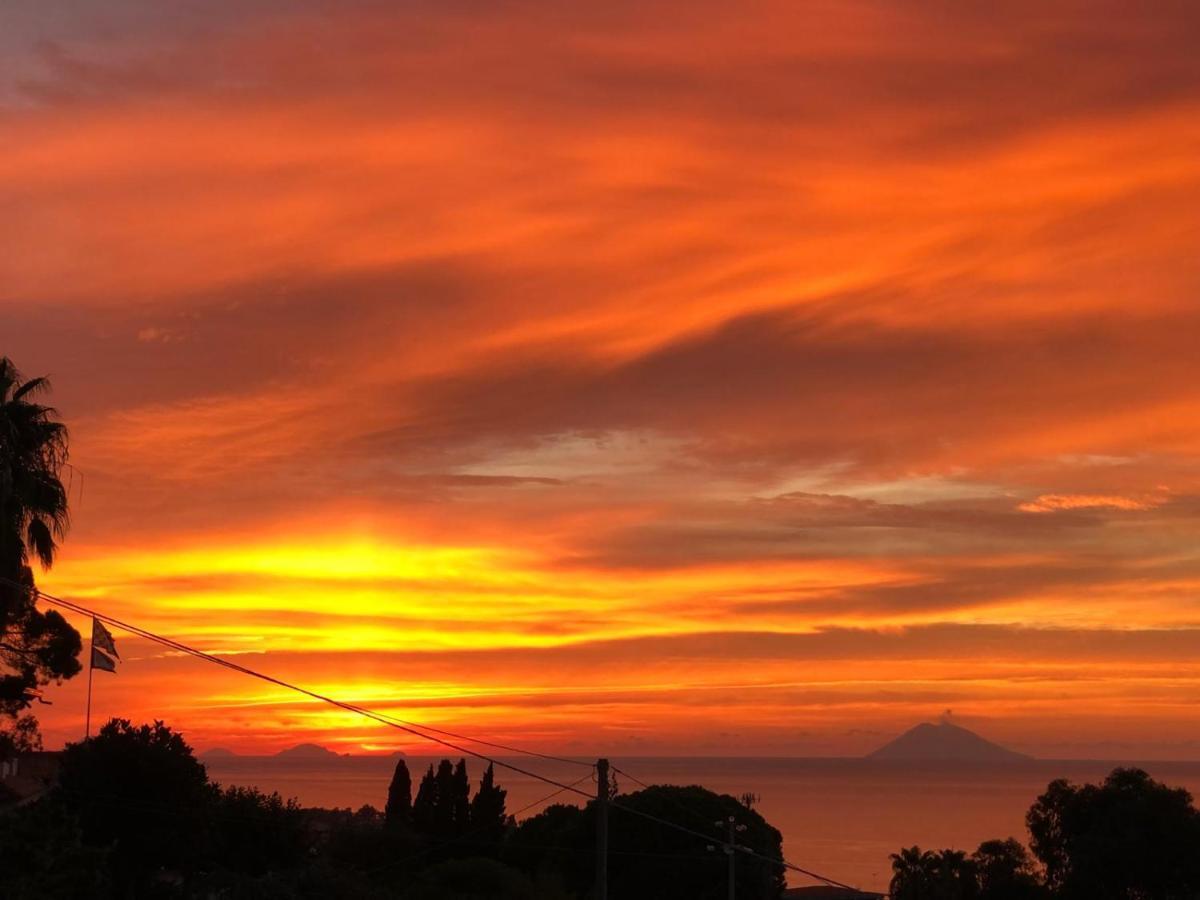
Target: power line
(397,723)
(467,838)
(496,746)
(692,812)
(779,862)
(462,737)
(548,797)
(685,808)
(671,798)
(237,667)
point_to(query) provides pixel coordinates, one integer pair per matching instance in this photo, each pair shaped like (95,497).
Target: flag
(102,638)
(101,661)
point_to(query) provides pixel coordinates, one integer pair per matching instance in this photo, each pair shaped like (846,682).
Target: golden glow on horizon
(581,378)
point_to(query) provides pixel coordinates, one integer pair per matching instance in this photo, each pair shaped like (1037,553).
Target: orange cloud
(1057,502)
(421,354)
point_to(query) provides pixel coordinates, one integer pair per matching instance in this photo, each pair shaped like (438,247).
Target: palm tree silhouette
(33,450)
(35,647)
(911,874)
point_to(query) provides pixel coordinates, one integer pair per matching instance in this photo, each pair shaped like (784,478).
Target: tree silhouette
(139,791)
(253,832)
(42,855)
(426,802)
(134,815)
(912,874)
(442,809)
(460,808)
(35,647)
(648,861)
(933,875)
(954,876)
(397,812)
(1006,872)
(22,737)
(1130,837)
(487,808)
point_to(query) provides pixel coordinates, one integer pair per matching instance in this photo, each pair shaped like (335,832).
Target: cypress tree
(398,811)
(424,813)
(461,809)
(487,809)
(444,801)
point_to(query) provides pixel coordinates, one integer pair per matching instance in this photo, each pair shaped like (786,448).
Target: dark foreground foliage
(1130,838)
(135,816)
(646,859)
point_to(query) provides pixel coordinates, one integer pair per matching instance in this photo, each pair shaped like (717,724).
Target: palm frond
(34,446)
(40,541)
(32,386)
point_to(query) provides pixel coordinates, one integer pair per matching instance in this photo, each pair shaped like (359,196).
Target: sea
(839,817)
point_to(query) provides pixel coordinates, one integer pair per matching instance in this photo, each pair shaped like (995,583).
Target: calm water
(841,817)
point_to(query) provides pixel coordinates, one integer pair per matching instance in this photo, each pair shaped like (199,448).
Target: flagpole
(107,662)
(87,726)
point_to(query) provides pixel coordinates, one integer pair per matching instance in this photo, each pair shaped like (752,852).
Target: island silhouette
(944,742)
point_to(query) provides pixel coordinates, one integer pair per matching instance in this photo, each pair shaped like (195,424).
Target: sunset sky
(676,378)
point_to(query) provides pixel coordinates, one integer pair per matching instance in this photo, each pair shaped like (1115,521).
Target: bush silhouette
(139,791)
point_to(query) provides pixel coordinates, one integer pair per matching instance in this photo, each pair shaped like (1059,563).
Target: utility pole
(730,847)
(729,854)
(602,829)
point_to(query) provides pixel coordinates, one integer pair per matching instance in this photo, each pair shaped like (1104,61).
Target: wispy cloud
(1058,502)
(667,339)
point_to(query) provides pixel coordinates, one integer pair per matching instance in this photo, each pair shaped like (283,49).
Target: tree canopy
(648,861)
(1128,838)
(141,791)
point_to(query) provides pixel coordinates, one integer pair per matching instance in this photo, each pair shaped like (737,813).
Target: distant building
(28,775)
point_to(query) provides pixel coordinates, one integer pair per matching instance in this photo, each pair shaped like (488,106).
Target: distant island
(944,742)
(299,752)
(218,753)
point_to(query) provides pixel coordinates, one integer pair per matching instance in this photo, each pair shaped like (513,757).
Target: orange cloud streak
(580,377)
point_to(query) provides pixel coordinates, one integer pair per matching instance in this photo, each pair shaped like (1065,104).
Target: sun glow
(590,384)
